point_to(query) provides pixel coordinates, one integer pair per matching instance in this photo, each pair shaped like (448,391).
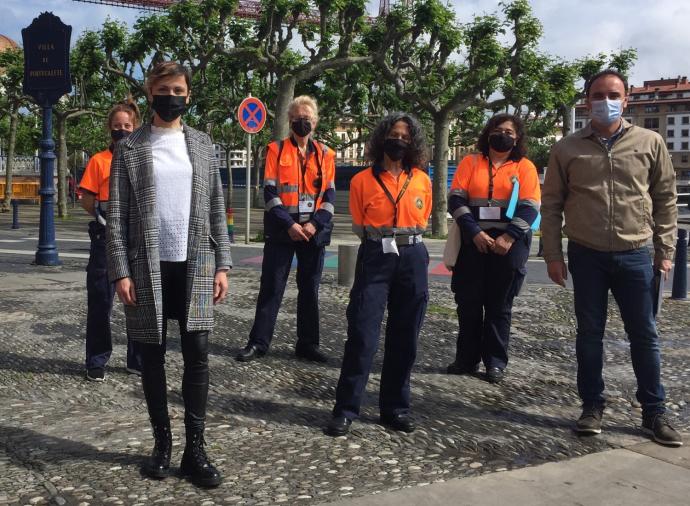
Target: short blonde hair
(304,100)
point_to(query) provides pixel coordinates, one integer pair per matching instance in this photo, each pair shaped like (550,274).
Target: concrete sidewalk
(641,474)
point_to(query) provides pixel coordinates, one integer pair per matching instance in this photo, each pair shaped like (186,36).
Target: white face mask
(606,111)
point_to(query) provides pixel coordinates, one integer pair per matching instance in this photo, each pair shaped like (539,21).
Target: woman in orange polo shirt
(123,118)
(490,267)
(390,205)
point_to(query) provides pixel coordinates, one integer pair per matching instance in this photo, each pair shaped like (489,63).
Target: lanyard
(491,180)
(304,161)
(390,197)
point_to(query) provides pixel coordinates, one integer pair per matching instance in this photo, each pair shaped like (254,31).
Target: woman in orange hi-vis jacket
(123,118)
(299,191)
(390,204)
(490,267)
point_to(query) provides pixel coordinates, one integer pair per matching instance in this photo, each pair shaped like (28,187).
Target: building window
(679,95)
(651,108)
(684,146)
(670,133)
(684,158)
(684,133)
(578,125)
(687,107)
(651,123)
(685,120)
(670,146)
(631,110)
(671,108)
(671,121)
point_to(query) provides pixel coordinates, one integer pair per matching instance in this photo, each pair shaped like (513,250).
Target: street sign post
(252,117)
(46,79)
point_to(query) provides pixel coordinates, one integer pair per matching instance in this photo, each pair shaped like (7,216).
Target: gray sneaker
(658,426)
(590,420)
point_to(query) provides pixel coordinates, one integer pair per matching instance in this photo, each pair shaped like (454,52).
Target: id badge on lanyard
(490,212)
(389,245)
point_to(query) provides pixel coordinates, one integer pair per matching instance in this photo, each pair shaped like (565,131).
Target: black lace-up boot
(195,463)
(158,465)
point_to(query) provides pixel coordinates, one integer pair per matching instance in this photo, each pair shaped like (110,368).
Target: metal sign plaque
(46,58)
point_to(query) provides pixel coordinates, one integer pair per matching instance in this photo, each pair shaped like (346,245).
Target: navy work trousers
(100,293)
(399,282)
(485,285)
(629,276)
(275,269)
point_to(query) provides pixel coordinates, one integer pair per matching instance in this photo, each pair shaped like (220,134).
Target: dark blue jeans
(630,277)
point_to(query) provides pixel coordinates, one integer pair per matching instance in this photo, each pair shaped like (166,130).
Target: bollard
(15,214)
(680,270)
(347,263)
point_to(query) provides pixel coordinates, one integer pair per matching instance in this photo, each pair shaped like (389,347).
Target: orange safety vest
(284,171)
(375,216)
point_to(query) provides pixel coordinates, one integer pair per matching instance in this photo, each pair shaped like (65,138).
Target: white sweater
(172,172)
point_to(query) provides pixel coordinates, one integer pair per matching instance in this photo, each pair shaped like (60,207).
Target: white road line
(33,252)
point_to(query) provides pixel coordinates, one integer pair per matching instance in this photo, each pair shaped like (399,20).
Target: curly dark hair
(519,151)
(417,155)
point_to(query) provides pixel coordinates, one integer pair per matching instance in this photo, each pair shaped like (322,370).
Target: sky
(572,28)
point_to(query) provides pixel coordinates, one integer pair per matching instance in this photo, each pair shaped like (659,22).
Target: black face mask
(396,149)
(117,135)
(301,126)
(169,107)
(501,142)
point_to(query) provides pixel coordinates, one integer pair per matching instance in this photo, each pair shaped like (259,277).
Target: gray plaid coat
(133,233)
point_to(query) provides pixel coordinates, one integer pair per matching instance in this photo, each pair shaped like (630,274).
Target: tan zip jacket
(611,200)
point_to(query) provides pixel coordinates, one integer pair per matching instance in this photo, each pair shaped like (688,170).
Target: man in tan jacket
(614,184)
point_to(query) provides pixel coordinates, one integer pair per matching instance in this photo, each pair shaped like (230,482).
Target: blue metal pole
(680,269)
(15,214)
(47,253)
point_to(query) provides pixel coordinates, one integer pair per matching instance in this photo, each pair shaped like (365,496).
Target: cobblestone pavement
(67,441)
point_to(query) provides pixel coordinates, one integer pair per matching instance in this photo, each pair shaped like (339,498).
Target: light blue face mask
(606,111)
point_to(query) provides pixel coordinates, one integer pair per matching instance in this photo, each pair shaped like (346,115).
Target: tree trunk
(439,220)
(566,113)
(286,92)
(9,166)
(62,164)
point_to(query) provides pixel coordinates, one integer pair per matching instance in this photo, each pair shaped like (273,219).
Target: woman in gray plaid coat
(169,252)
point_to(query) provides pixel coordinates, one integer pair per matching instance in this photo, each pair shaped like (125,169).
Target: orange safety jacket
(96,178)
(290,178)
(474,188)
(374,215)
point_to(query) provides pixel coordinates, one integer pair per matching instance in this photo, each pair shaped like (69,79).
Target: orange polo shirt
(373,214)
(96,178)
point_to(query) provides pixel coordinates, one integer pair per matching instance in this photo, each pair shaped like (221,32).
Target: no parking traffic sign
(252,115)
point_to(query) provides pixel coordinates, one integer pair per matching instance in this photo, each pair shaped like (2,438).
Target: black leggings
(194,354)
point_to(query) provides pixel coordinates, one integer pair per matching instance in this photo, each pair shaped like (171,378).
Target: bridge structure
(250,9)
